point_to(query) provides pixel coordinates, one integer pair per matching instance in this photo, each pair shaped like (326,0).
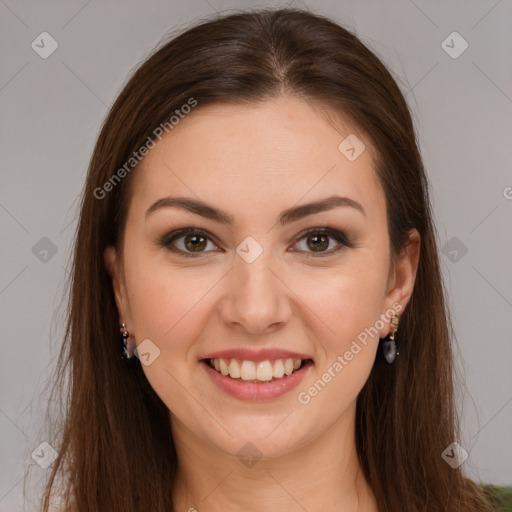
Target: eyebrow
(286,217)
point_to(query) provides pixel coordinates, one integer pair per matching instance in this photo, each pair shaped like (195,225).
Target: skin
(254,162)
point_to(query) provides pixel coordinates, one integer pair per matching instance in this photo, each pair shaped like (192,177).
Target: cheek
(166,303)
(348,344)
(349,301)
(168,308)
(171,306)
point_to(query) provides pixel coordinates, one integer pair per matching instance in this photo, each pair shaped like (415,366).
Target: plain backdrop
(51,112)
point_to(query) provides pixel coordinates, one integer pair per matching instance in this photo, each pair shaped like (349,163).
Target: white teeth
(234,369)
(224,367)
(263,371)
(248,370)
(278,369)
(288,367)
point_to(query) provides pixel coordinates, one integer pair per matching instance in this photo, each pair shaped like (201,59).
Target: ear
(402,278)
(114,268)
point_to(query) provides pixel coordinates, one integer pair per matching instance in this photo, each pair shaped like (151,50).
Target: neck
(308,477)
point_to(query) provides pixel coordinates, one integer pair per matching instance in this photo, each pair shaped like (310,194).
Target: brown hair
(116,450)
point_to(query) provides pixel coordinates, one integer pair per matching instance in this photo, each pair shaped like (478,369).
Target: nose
(256,299)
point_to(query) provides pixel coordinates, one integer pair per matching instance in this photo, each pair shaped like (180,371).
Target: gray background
(51,113)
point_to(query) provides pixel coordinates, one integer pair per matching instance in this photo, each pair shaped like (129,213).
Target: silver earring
(388,343)
(128,345)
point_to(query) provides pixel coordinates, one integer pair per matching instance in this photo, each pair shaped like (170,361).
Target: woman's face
(253,288)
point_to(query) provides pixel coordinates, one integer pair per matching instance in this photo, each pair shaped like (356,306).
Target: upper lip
(256,355)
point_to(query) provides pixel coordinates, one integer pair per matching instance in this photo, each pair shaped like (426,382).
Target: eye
(318,240)
(187,242)
(190,242)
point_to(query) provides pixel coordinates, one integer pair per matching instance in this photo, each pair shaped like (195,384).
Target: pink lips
(256,355)
(256,391)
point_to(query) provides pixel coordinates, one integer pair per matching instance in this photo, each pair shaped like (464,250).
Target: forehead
(275,152)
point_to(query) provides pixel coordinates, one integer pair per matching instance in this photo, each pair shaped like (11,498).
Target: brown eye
(316,242)
(188,242)
(195,243)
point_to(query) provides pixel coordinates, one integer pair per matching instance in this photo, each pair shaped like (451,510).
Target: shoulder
(501,497)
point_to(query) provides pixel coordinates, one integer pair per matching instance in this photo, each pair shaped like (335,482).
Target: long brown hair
(115,446)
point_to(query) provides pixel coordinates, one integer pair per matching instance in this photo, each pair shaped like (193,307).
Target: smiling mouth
(257,372)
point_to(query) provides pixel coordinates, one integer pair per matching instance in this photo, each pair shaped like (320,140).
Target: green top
(501,497)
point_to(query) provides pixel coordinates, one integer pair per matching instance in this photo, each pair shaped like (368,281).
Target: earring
(128,345)
(388,343)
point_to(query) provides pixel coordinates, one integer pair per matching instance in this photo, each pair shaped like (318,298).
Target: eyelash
(168,239)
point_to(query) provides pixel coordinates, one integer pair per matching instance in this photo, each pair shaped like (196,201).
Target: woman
(256,224)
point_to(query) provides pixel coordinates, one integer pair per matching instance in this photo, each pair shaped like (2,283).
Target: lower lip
(255,391)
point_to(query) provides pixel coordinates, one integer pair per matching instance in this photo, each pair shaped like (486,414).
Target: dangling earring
(128,345)
(388,343)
